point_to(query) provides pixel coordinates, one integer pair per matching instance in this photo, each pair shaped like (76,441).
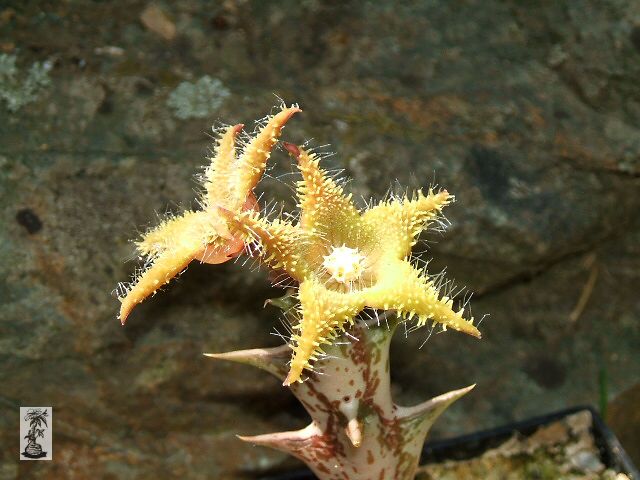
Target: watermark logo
(36,429)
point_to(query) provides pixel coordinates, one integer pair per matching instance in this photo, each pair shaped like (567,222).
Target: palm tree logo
(37,418)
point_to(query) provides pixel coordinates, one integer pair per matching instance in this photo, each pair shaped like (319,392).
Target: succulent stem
(357,432)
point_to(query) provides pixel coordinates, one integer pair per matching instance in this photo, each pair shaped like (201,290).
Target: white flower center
(344,264)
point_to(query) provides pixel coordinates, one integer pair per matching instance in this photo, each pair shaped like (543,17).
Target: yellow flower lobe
(204,235)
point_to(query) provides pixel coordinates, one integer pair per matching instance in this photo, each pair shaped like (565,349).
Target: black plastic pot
(467,446)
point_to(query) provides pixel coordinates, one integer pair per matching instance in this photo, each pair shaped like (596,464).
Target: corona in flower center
(344,264)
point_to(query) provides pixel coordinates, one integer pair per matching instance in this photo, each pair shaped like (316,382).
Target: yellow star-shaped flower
(346,260)
(204,235)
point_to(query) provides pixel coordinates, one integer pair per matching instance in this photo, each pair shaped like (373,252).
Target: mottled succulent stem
(357,432)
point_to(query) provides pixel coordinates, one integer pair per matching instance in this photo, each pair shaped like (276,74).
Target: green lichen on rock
(199,99)
(16,89)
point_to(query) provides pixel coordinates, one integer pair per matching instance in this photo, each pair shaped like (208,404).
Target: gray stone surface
(528,113)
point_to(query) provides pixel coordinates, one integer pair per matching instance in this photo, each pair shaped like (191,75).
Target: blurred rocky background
(528,111)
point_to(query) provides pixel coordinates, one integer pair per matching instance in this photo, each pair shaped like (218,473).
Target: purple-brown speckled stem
(357,432)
